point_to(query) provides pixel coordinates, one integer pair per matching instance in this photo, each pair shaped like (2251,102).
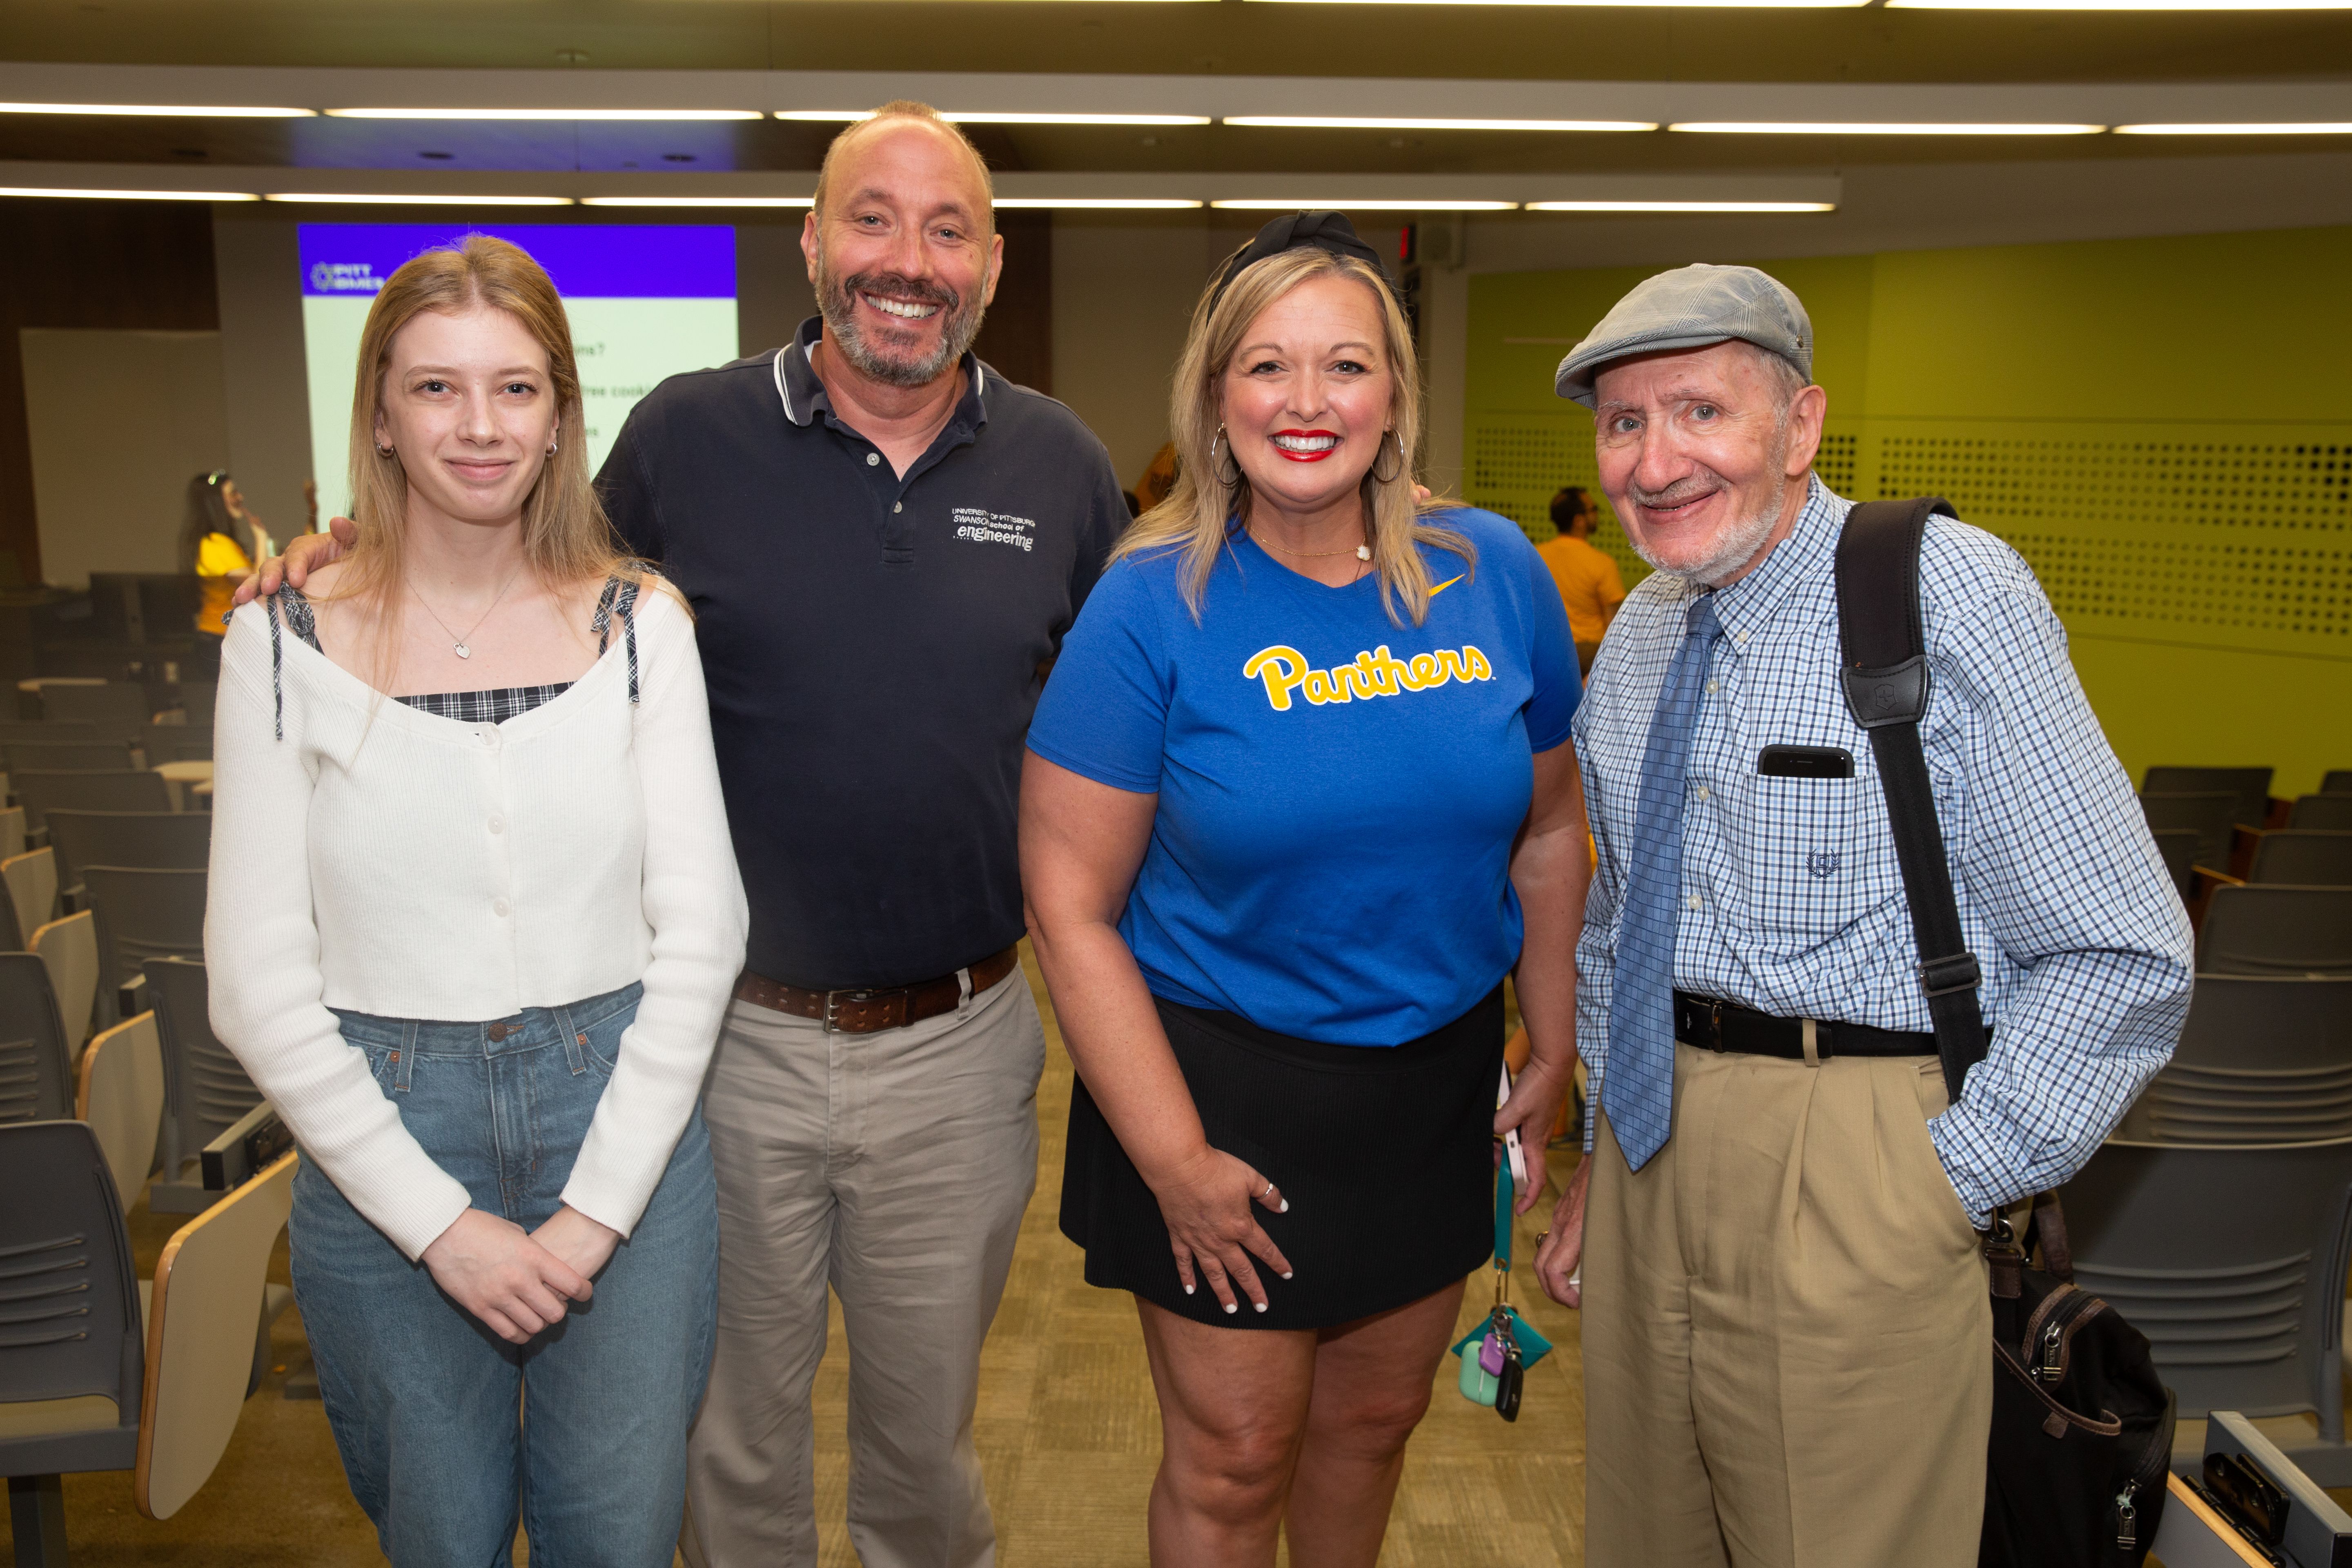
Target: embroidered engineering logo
(1375,674)
(984,527)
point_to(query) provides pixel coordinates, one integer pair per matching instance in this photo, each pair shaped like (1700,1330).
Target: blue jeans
(447,1431)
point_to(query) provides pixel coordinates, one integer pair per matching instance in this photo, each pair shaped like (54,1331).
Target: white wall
(119,421)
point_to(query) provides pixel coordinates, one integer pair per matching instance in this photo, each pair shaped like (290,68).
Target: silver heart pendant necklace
(462,645)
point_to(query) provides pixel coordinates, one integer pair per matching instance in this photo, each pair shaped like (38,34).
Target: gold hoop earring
(1380,478)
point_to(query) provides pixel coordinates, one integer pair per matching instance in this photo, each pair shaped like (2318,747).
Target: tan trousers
(893,1167)
(1786,1358)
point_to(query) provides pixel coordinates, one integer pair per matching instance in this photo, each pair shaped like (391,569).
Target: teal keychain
(1495,1355)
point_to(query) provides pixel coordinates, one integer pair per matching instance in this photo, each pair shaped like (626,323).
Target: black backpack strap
(1884,672)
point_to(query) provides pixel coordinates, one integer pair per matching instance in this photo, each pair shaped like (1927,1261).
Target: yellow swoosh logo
(1447,583)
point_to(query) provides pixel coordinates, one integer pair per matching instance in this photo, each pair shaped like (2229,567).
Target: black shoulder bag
(2082,1425)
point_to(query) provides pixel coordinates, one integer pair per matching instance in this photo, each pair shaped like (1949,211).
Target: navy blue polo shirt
(871,643)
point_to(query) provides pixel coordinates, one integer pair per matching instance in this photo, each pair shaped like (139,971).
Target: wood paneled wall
(124,265)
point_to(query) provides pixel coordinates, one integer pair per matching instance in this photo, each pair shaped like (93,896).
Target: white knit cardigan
(463,872)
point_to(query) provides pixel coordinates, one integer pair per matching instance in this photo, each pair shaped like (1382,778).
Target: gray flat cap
(1690,308)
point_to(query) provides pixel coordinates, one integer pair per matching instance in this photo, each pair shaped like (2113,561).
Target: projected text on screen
(645,301)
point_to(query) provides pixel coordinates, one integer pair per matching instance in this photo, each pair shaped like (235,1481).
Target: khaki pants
(894,1167)
(1787,1355)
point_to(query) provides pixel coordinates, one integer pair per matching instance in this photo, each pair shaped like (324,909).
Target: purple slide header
(588,261)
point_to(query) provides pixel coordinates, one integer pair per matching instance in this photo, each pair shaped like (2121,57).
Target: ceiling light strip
(2213,5)
(991,117)
(584,114)
(1368,205)
(1679,4)
(1336,122)
(111,195)
(698,201)
(1105,204)
(413,199)
(165,111)
(996,117)
(1876,128)
(2304,128)
(1617,206)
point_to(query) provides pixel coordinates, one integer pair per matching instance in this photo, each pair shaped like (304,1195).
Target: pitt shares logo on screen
(1375,674)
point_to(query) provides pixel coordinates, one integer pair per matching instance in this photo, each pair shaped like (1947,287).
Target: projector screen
(645,301)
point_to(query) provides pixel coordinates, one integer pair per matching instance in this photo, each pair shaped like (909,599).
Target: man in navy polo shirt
(883,541)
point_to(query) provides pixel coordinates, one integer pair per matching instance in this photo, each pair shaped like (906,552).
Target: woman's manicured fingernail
(1286,1206)
(1231,1308)
(1259,1305)
(1188,1290)
(1285,1275)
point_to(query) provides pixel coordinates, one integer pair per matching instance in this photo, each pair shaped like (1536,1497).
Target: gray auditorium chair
(116,703)
(144,913)
(78,1391)
(73,1360)
(41,732)
(2326,813)
(72,756)
(196,699)
(134,789)
(2231,1259)
(35,1067)
(2277,930)
(2251,787)
(163,743)
(2178,847)
(155,840)
(2336,781)
(2262,1059)
(2303,857)
(2206,813)
(204,1087)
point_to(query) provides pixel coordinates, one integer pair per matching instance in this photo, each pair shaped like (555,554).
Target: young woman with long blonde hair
(1298,794)
(484,991)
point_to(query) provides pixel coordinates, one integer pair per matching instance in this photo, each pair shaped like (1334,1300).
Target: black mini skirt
(1386,1156)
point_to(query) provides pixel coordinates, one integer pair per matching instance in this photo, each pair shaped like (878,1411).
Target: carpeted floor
(1067,1428)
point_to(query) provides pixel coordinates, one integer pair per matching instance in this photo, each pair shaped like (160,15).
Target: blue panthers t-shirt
(1338,794)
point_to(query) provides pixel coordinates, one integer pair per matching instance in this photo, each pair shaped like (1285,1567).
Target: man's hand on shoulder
(302,557)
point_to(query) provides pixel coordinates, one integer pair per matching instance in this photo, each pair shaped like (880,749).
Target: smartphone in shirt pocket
(1804,763)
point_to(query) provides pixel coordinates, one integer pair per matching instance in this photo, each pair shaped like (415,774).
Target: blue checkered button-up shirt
(1792,900)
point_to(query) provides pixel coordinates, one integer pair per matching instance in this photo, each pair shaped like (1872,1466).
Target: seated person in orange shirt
(1589,580)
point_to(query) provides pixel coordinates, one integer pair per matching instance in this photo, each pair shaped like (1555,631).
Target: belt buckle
(832,1007)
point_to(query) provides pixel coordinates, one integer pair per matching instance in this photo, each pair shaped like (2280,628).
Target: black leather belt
(1714,1026)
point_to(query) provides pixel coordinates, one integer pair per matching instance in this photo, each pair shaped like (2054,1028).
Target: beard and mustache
(894,356)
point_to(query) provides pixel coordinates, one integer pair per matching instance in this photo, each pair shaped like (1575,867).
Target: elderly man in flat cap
(1785,1302)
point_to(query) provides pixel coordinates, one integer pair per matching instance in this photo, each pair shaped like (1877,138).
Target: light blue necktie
(1637,1088)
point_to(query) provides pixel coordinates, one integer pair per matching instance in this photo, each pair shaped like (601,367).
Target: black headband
(1327,231)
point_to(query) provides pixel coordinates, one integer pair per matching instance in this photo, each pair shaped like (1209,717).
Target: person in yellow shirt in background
(1589,580)
(219,541)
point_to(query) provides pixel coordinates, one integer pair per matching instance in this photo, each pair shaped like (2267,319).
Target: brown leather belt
(866,1011)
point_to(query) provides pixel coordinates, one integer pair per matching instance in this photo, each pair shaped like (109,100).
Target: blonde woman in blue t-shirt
(1299,795)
